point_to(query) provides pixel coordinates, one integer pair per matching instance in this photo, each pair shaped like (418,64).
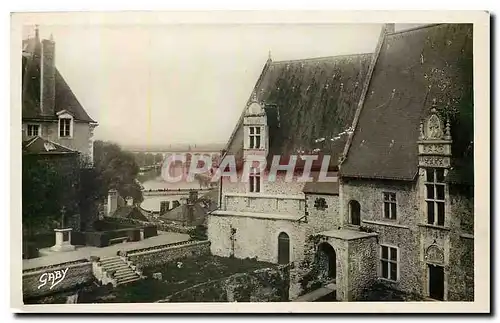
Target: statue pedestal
(63,240)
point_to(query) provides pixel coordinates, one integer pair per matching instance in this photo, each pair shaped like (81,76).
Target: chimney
(130,201)
(112,201)
(48,77)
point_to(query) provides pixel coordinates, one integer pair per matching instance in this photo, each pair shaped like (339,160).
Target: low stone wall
(51,279)
(262,285)
(158,255)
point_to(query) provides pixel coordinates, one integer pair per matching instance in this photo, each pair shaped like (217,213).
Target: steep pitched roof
(413,68)
(129,212)
(40,146)
(310,104)
(65,99)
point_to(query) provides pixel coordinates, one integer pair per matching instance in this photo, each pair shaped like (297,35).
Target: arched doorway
(327,261)
(355,212)
(283,248)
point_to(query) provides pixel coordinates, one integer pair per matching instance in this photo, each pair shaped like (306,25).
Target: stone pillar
(63,240)
(112,202)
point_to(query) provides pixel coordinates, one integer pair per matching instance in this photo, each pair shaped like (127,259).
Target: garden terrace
(192,272)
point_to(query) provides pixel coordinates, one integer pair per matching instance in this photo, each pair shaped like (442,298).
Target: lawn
(193,271)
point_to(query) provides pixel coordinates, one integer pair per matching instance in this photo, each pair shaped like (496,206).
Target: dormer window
(255,137)
(33,130)
(65,124)
(64,127)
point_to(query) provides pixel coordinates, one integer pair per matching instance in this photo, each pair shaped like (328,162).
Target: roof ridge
(414,28)
(58,144)
(240,119)
(366,85)
(32,141)
(319,58)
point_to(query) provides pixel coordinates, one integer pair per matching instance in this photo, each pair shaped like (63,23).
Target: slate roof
(413,68)
(306,100)
(40,146)
(129,212)
(319,187)
(65,99)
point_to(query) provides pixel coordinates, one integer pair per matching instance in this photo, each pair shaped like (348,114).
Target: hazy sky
(183,83)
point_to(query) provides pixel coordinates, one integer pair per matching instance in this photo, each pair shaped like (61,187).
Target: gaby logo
(53,278)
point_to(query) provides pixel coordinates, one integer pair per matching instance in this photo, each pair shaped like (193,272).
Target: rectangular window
(33,130)
(389,262)
(435,196)
(390,206)
(64,127)
(255,139)
(254,179)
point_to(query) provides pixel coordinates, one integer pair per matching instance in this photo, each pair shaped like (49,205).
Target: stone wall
(461,270)
(370,195)
(262,285)
(162,254)
(276,186)
(363,262)
(322,219)
(76,273)
(402,233)
(254,237)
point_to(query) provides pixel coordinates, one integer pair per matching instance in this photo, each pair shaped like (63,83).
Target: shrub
(198,233)
(30,251)
(97,239)
(78,238)
(150,231)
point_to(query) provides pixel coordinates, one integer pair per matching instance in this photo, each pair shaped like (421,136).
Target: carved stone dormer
(434,144)
(255,128)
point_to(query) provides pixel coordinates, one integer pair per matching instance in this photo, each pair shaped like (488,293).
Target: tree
(158,158)
(48,185)
(117,169)
(150,159)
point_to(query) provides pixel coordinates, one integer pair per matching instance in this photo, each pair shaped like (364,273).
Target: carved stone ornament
(436,149)
(434,254)
(434,128)
(432,161)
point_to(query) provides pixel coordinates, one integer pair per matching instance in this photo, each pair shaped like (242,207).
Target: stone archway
(327,261)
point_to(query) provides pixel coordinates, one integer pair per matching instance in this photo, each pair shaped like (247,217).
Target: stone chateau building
(398,126)
(50,109)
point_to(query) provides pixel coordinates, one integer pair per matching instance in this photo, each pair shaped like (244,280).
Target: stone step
(125,274)
(126,277)
(110,260)
(124,269)
(128,281)
(115,266)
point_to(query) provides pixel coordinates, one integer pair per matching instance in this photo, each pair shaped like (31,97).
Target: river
(152,203)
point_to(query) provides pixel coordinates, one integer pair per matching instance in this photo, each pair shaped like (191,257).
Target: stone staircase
(119,270)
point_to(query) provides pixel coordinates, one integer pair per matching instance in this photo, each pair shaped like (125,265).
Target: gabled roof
(413,68)
(129,212)
(65,99)
(309,103)
(40,146)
